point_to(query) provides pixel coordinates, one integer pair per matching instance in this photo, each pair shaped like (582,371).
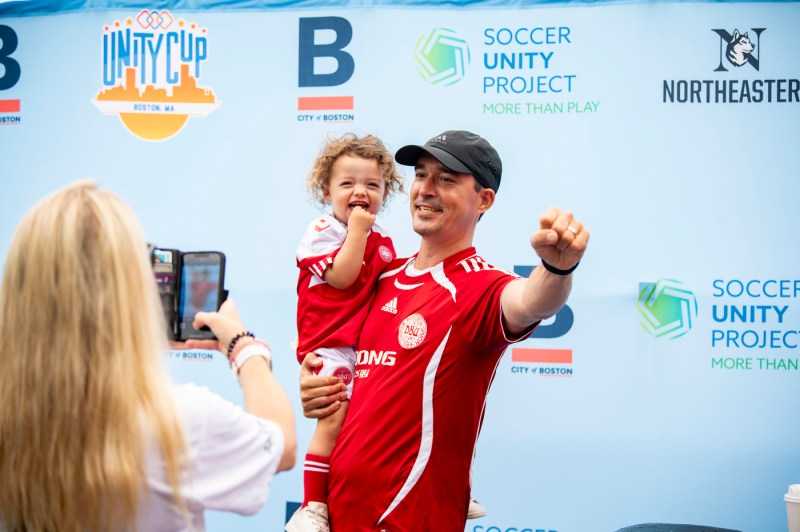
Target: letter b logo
(310,50)
(9,68)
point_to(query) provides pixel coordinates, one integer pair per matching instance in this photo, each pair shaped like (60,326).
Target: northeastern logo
(412,331)
(151,65)
(738,49)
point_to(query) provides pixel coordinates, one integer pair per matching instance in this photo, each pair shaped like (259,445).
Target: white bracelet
(256,349)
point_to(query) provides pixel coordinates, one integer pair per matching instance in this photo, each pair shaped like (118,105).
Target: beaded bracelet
(553,269)
(235,339)
(238,348)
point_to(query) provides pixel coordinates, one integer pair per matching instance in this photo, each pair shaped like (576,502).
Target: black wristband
(556,271)
(236,339)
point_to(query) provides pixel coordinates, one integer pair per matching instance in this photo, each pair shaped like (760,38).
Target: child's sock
(315,478)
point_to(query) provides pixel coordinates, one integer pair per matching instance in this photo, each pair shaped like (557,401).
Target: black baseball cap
(460,151)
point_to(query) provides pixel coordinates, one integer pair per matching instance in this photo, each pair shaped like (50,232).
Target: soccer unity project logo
(441,57)
(667,308)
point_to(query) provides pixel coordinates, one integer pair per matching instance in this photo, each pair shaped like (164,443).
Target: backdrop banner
(667,390)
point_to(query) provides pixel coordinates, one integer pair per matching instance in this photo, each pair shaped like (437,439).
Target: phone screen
(202,277)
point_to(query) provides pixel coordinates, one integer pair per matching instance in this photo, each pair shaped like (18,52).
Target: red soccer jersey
(328,316)
(425,360)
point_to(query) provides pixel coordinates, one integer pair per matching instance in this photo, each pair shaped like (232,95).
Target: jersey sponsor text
(375,358)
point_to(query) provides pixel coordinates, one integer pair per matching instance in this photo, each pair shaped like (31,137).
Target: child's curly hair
(366,147)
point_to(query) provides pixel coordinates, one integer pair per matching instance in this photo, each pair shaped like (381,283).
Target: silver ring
(572,230)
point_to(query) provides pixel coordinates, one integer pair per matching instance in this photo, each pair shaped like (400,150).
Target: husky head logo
(738,49)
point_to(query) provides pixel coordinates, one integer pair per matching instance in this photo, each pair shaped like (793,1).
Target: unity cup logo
(666,308)
(441,57)
(151,63)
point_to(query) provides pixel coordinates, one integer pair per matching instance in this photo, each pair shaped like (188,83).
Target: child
(340,258)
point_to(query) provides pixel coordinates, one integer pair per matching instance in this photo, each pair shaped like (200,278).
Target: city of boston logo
(442,57)
(667,309)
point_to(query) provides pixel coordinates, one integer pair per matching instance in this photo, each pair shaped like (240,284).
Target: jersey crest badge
(412,331)
(385,253)
(346,374)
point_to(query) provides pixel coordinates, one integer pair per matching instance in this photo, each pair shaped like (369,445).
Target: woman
(92,434)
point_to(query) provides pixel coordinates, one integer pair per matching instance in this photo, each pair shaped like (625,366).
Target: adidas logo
(391,306)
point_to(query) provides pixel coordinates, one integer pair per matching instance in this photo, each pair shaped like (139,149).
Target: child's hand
(360,220)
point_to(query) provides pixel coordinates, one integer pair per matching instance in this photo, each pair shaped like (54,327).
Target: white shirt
(233,456)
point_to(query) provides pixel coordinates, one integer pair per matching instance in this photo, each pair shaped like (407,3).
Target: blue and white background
(675,395)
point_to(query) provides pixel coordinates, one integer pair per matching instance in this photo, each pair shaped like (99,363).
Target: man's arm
(560,242)
(346,265)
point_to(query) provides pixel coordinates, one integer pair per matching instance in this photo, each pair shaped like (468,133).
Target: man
(435,332)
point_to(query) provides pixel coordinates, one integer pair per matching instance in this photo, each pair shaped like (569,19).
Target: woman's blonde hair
(366,147)
(83,382)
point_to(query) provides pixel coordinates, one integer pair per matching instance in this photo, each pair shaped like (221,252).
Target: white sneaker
(475,510)
(311,518)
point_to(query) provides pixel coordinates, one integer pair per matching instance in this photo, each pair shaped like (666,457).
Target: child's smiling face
(355,183)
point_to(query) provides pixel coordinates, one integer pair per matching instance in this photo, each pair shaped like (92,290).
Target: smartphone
(166,268)
(201,279)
